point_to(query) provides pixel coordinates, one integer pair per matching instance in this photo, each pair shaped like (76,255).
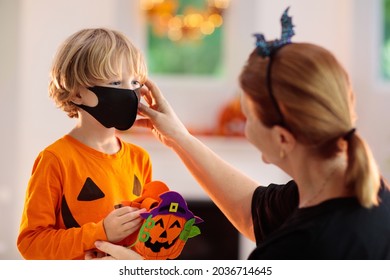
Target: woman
(298,102)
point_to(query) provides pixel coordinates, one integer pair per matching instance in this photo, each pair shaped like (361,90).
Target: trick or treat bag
(166,228)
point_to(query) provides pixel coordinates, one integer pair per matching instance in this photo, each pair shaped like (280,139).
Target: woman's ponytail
(362,173)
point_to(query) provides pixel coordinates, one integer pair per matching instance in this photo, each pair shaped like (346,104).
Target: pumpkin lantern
(149,199)
(166,228)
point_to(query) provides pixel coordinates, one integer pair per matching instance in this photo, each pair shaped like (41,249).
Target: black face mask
(116,107)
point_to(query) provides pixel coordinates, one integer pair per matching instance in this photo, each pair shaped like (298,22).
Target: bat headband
(269,48)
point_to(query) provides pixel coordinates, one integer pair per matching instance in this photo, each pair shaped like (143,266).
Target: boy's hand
(122,222)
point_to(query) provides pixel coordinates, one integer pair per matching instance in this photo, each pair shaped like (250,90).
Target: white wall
(373,94)
(325,22)
(34,29)
(9,120)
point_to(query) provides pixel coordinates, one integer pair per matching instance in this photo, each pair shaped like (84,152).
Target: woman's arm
(230,189)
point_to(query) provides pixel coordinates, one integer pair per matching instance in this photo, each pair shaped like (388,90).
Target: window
(385,51)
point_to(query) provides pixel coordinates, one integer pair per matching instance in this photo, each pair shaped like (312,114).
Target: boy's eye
(136,84)
(116,83)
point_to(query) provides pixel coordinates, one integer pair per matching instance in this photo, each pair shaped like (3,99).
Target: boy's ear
(77,99)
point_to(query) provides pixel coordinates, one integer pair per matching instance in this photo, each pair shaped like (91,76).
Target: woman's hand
(159,116)
(122,222)
(112,252)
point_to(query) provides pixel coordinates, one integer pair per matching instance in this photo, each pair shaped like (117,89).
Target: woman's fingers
(117,252)
(146,111)
(90,255)
(144,123)
(154,90)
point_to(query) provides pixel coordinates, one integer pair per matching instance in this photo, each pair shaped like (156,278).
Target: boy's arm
(39,236)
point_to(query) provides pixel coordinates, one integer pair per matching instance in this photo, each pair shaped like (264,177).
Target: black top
(335,229)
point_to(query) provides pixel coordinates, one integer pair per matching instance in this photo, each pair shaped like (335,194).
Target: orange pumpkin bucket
(166,228)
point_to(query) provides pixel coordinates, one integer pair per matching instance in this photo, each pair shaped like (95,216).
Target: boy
(76,181)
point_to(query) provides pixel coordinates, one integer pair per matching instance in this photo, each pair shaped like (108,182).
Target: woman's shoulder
(271,207)
(277,192)
(384,191)
(335,229)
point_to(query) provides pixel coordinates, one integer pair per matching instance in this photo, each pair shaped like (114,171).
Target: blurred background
(196,64)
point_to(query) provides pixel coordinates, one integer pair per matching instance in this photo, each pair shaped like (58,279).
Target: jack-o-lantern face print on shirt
(90,204)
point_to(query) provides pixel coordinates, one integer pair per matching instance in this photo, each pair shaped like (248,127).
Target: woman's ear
(285,139)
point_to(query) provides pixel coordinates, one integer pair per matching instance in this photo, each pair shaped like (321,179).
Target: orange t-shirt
(71,190)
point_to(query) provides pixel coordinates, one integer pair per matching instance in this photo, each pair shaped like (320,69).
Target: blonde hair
(315,97)
(88,56)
